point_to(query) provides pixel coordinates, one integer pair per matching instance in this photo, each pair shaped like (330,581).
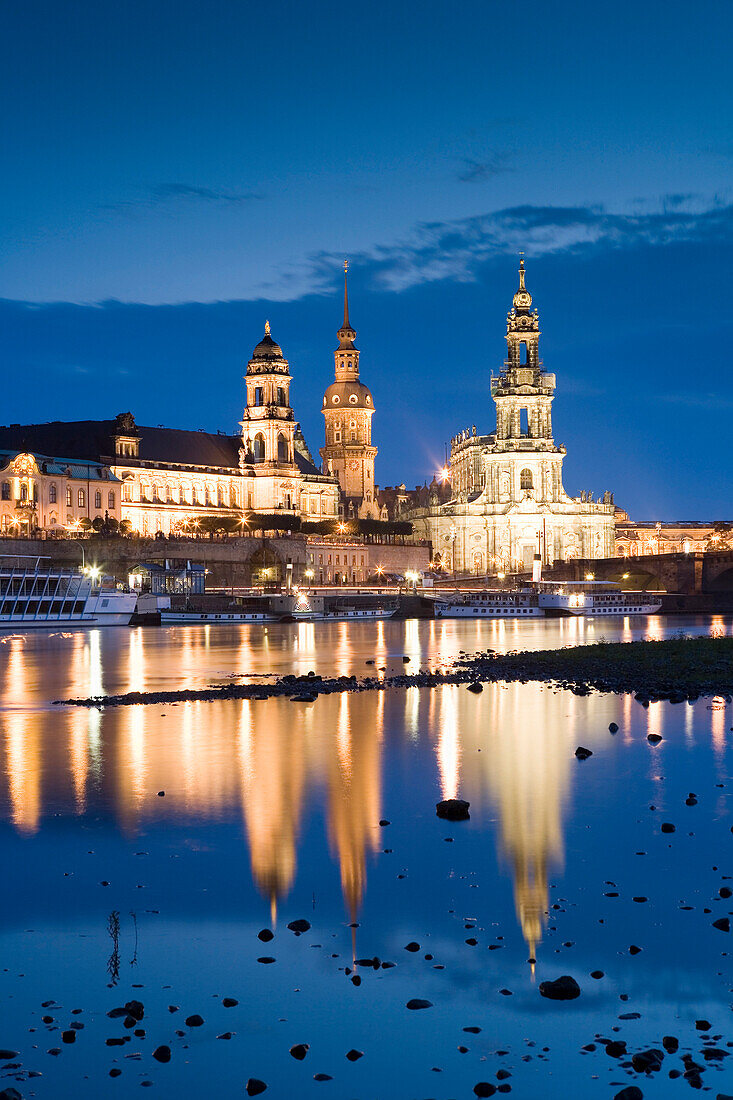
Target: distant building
(507,497)
(168,479)
(348,408)
(39,492)
(679,537)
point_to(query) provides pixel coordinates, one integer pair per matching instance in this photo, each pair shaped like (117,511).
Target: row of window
(81,496)
(338,559)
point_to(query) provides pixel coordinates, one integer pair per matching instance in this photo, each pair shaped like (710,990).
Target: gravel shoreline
(675,669)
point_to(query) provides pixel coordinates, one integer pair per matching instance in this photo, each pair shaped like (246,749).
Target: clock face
(353,465)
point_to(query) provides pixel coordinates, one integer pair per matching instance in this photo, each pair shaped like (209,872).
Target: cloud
(165,194)
(454,250)
(479,171)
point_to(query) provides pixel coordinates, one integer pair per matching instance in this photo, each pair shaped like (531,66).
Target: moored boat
(489,604)
(35,594)
(593,599)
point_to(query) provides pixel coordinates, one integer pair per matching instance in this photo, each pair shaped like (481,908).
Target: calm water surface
(271,813)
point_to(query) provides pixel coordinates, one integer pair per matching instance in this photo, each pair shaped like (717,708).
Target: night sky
(174,173)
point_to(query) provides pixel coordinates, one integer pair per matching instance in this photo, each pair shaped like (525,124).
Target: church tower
(348,409)
(267,454)
(523,392)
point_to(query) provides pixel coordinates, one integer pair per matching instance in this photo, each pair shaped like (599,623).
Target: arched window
(525,479)
(98,499)
(51,494)
(282,448)
(258,447)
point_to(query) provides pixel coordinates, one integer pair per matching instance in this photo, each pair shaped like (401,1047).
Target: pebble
(162,1054)
(417,1003)
(299,1051)
(254,1086)
(195,1020)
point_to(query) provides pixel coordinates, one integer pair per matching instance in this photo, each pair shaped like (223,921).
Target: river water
(271,812)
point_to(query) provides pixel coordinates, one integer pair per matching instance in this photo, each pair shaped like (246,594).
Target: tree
(263,522)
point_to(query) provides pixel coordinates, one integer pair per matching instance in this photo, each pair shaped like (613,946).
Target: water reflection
(266,764)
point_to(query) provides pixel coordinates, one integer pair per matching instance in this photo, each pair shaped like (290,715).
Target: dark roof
(93,440)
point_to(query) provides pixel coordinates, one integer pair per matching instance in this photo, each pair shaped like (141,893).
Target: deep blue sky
(174,173)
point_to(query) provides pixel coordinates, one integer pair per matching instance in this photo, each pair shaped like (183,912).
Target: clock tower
(348,409)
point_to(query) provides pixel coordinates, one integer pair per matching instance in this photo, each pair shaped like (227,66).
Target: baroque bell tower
(523,392)
(348,409)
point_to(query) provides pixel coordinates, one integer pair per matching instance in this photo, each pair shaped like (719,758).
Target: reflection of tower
(524,766)
(348,409)
(354,792)
(273,776)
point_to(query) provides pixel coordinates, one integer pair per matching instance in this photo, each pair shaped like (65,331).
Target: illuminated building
(507,497)
(171,479)
(348,408)
(37,491)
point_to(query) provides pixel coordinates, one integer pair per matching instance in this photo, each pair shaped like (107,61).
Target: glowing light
(590,576)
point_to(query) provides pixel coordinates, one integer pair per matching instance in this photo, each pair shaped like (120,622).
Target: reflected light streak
(448,748)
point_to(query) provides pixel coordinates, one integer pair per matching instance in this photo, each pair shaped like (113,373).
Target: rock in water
(265,935)
(583,754)
(484,1088)
(299,1051)
(195,1020)
(723,924)
(254,1086)
(613,728)
(562,989)
(299,926)
(355,1055)
(630,1093)
(10,1094)
(476,687)
(453,809)
(417,1002)
(135,1009)
(162,1054)
(647,1061)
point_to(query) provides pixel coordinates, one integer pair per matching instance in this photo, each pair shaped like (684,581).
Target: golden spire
(521,272)
(346,296)
(267,328)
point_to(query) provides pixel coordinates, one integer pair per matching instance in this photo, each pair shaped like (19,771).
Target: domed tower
(348,409)
(268,425)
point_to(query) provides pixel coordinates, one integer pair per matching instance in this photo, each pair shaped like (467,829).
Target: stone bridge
(698,572)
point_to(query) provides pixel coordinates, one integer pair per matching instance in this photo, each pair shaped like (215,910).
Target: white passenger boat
(167,618)
(593,599)
(490,604)
(35,594)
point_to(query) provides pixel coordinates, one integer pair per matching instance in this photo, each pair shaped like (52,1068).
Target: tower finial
(267,328)
(521,272)
(346,295)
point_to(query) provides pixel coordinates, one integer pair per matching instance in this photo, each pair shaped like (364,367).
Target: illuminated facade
(37,491)
(348,408)
(167,479)
(507,497)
